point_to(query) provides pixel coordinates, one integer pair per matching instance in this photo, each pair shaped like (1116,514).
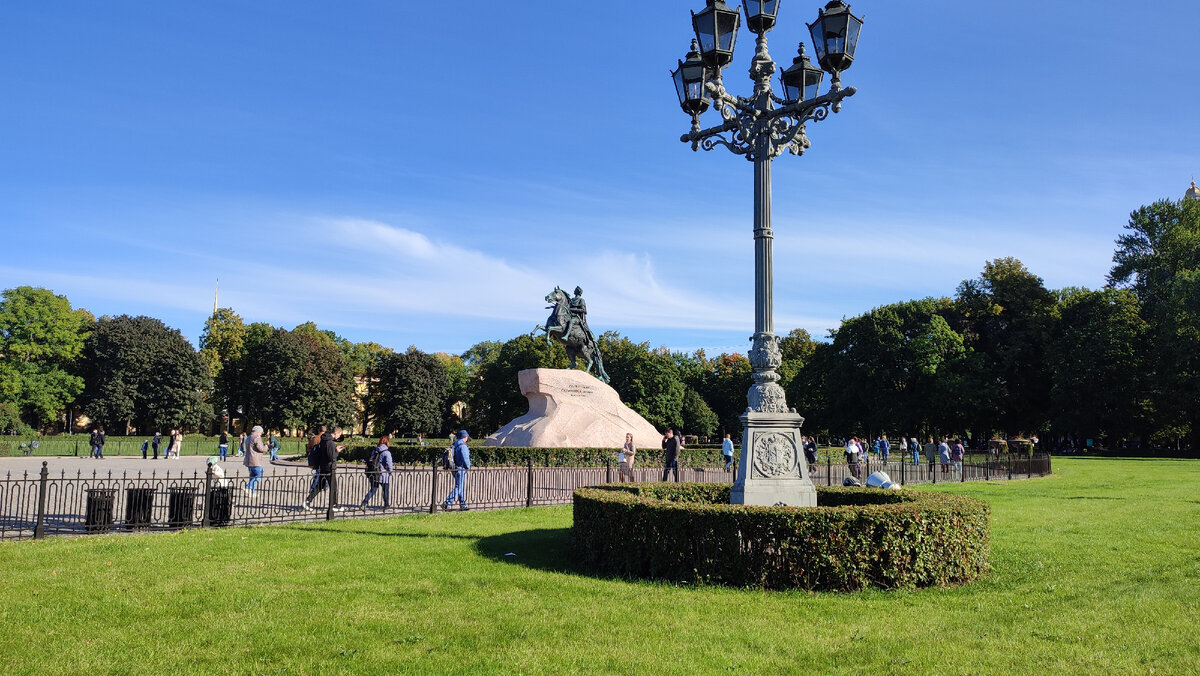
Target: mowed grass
(1095,570)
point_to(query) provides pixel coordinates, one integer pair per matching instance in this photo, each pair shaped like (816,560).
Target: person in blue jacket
(462,463)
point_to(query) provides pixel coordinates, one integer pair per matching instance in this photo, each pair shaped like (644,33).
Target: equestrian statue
(568,324)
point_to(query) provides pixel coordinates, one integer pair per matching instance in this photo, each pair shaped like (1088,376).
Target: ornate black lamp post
(762,127)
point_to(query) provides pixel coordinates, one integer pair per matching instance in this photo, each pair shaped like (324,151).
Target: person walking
(324,457)
(255,449)
(853,453)
(223,446)
(156,442)
(379,472)
(810,454)
(727,451)
(957,452)
(273,447)
(176,444)
(241,449)
(885,447)
(625,459)
(310,447)
(944,454)
(462,463)
(670,446)
(97,442)
(915,449)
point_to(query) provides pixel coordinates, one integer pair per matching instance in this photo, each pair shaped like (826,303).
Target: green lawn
(1095,570)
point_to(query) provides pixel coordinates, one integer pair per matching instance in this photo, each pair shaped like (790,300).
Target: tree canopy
(41,338)
(139,372)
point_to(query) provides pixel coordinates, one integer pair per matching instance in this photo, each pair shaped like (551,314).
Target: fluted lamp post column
(762,127)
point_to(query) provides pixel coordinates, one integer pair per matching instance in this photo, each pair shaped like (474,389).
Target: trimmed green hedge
(855,538)
(493,456)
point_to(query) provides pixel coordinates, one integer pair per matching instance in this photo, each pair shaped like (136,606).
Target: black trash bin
(99,514)
(181,506)
(138,506)
(220,506)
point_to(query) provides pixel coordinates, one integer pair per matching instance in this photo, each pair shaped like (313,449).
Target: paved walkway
(125,463)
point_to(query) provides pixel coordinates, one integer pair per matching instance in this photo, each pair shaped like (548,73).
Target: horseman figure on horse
(568,324)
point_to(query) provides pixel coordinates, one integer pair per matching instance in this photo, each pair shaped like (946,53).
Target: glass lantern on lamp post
(690,78)
(716,28)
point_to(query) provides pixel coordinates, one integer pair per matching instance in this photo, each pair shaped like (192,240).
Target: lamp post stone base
(772,470)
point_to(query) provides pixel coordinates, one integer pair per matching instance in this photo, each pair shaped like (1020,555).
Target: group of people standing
(672,445)
(949,452)
(174,444)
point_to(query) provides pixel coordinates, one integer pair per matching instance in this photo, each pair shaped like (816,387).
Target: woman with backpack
(379,473)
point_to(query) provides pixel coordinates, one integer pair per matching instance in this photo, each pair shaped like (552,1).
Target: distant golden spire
(1193,193)
(217,290)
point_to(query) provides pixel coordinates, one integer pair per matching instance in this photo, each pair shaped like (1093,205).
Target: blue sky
(423,173)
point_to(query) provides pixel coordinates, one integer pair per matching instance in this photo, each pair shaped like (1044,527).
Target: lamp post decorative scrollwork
(762,127)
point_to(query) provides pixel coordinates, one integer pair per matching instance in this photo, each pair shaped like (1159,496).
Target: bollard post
(529,481)
(208,480)
(607,471)
(332,491)
(433,490)
(1010,466)
(39,530)
(901,470)
(828,470)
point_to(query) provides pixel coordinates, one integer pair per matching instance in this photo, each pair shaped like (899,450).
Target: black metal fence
(33,506)
(901,469)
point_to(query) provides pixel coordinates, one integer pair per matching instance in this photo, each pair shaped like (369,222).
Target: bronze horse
(579,343)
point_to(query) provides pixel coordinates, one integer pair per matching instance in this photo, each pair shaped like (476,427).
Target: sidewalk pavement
(131,464)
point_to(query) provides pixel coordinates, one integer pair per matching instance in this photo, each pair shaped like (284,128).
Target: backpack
(373,469)
(448,458)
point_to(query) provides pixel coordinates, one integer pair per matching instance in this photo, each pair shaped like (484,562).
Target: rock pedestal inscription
(572,409)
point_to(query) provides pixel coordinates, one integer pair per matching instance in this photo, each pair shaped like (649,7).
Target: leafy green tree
(10,420)
(496,398)
(890,367)
(41,338)
(807,391)
(647,380)
(139,372)
(727,383)
(297,380)
(364,361)
(222,346)
(413,388)
(1158,258)
(458,390)
(1007,314)
(698,417)
(1098,363)
(797,348)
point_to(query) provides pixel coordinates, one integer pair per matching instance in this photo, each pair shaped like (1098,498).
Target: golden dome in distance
(1193,193)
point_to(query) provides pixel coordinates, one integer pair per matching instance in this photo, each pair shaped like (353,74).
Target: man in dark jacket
(323,457)
(97,442)
(670,444)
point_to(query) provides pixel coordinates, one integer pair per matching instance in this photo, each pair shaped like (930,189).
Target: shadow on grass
(547,549)
(342,531)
